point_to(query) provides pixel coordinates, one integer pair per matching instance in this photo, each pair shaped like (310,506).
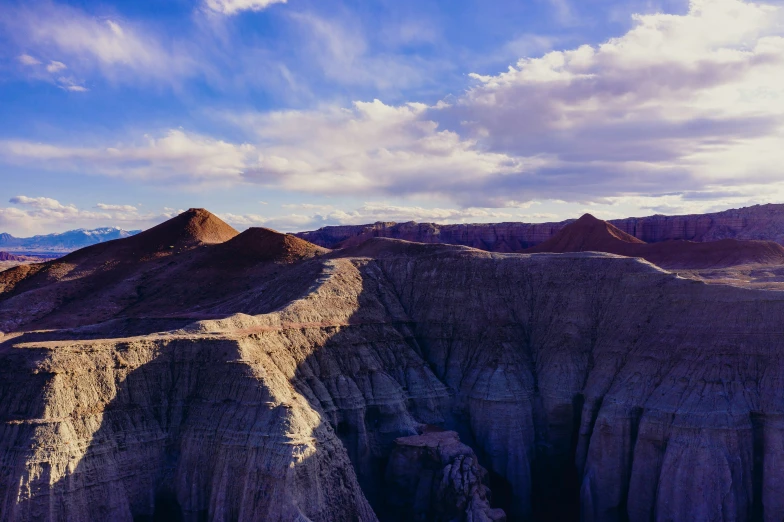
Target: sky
(297,114)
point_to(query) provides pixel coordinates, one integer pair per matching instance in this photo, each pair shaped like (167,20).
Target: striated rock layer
(587,385)
(759,222)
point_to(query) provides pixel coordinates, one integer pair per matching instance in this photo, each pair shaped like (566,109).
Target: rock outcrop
(433,477)
(759,222)
(589,386)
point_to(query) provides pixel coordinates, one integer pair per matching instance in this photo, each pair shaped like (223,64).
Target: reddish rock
(589,234)
(759,222)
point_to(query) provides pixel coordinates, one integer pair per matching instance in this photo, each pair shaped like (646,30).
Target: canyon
(191,372)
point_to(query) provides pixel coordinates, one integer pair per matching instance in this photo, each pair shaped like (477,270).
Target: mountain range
(760,222)
(59,244)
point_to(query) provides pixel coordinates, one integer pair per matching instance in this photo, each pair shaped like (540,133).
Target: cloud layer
(679,110)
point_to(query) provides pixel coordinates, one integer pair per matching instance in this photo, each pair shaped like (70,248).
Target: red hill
(589,234)
(264,244)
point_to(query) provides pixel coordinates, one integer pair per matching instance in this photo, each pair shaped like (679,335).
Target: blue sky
(303,113)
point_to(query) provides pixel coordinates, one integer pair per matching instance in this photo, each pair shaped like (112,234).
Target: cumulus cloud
(230,7)
(175,154)
(679,101)
(372,147)
(691,102)
(40,203)
(124,208)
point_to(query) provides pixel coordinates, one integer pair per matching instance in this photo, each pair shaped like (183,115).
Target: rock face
(433,477)
(588,386)
(493,237)
(759,222)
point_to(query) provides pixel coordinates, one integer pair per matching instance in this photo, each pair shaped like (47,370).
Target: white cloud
(40,203)
(119,50)
(50,73)
(55,66)
(176,154)
(41,214)
(692,102)
(683,101)
(316,216)
(26,59)
(124,208)
(230,7)
(373,148)
(69,84)
(371,212)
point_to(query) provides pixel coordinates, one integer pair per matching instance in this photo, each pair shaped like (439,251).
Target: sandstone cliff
(588,386)
(760,222)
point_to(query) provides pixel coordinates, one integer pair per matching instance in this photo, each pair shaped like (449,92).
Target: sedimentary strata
(586,385)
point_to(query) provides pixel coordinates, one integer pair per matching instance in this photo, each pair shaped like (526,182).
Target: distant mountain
(758,222)
(61,243)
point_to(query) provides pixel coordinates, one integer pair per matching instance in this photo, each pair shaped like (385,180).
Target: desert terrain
(191,372)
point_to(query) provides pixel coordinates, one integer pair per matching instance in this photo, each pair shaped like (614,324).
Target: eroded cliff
(588,386)
(759,222)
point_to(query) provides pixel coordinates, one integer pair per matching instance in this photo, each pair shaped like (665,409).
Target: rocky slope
(587,386)
(8,260)
(759,222)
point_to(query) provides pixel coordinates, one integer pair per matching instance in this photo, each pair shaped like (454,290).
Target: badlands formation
(761,222)
(193,373)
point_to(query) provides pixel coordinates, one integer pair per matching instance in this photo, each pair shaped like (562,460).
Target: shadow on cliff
(158,454)
(372,383)
(193,435)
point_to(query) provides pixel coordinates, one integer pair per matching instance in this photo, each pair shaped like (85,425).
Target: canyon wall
(588,386)
(764,222)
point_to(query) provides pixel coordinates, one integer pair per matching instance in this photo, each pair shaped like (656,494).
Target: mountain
(591,234)
(167,271)
(193,373)
(759,222)
(61,243)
